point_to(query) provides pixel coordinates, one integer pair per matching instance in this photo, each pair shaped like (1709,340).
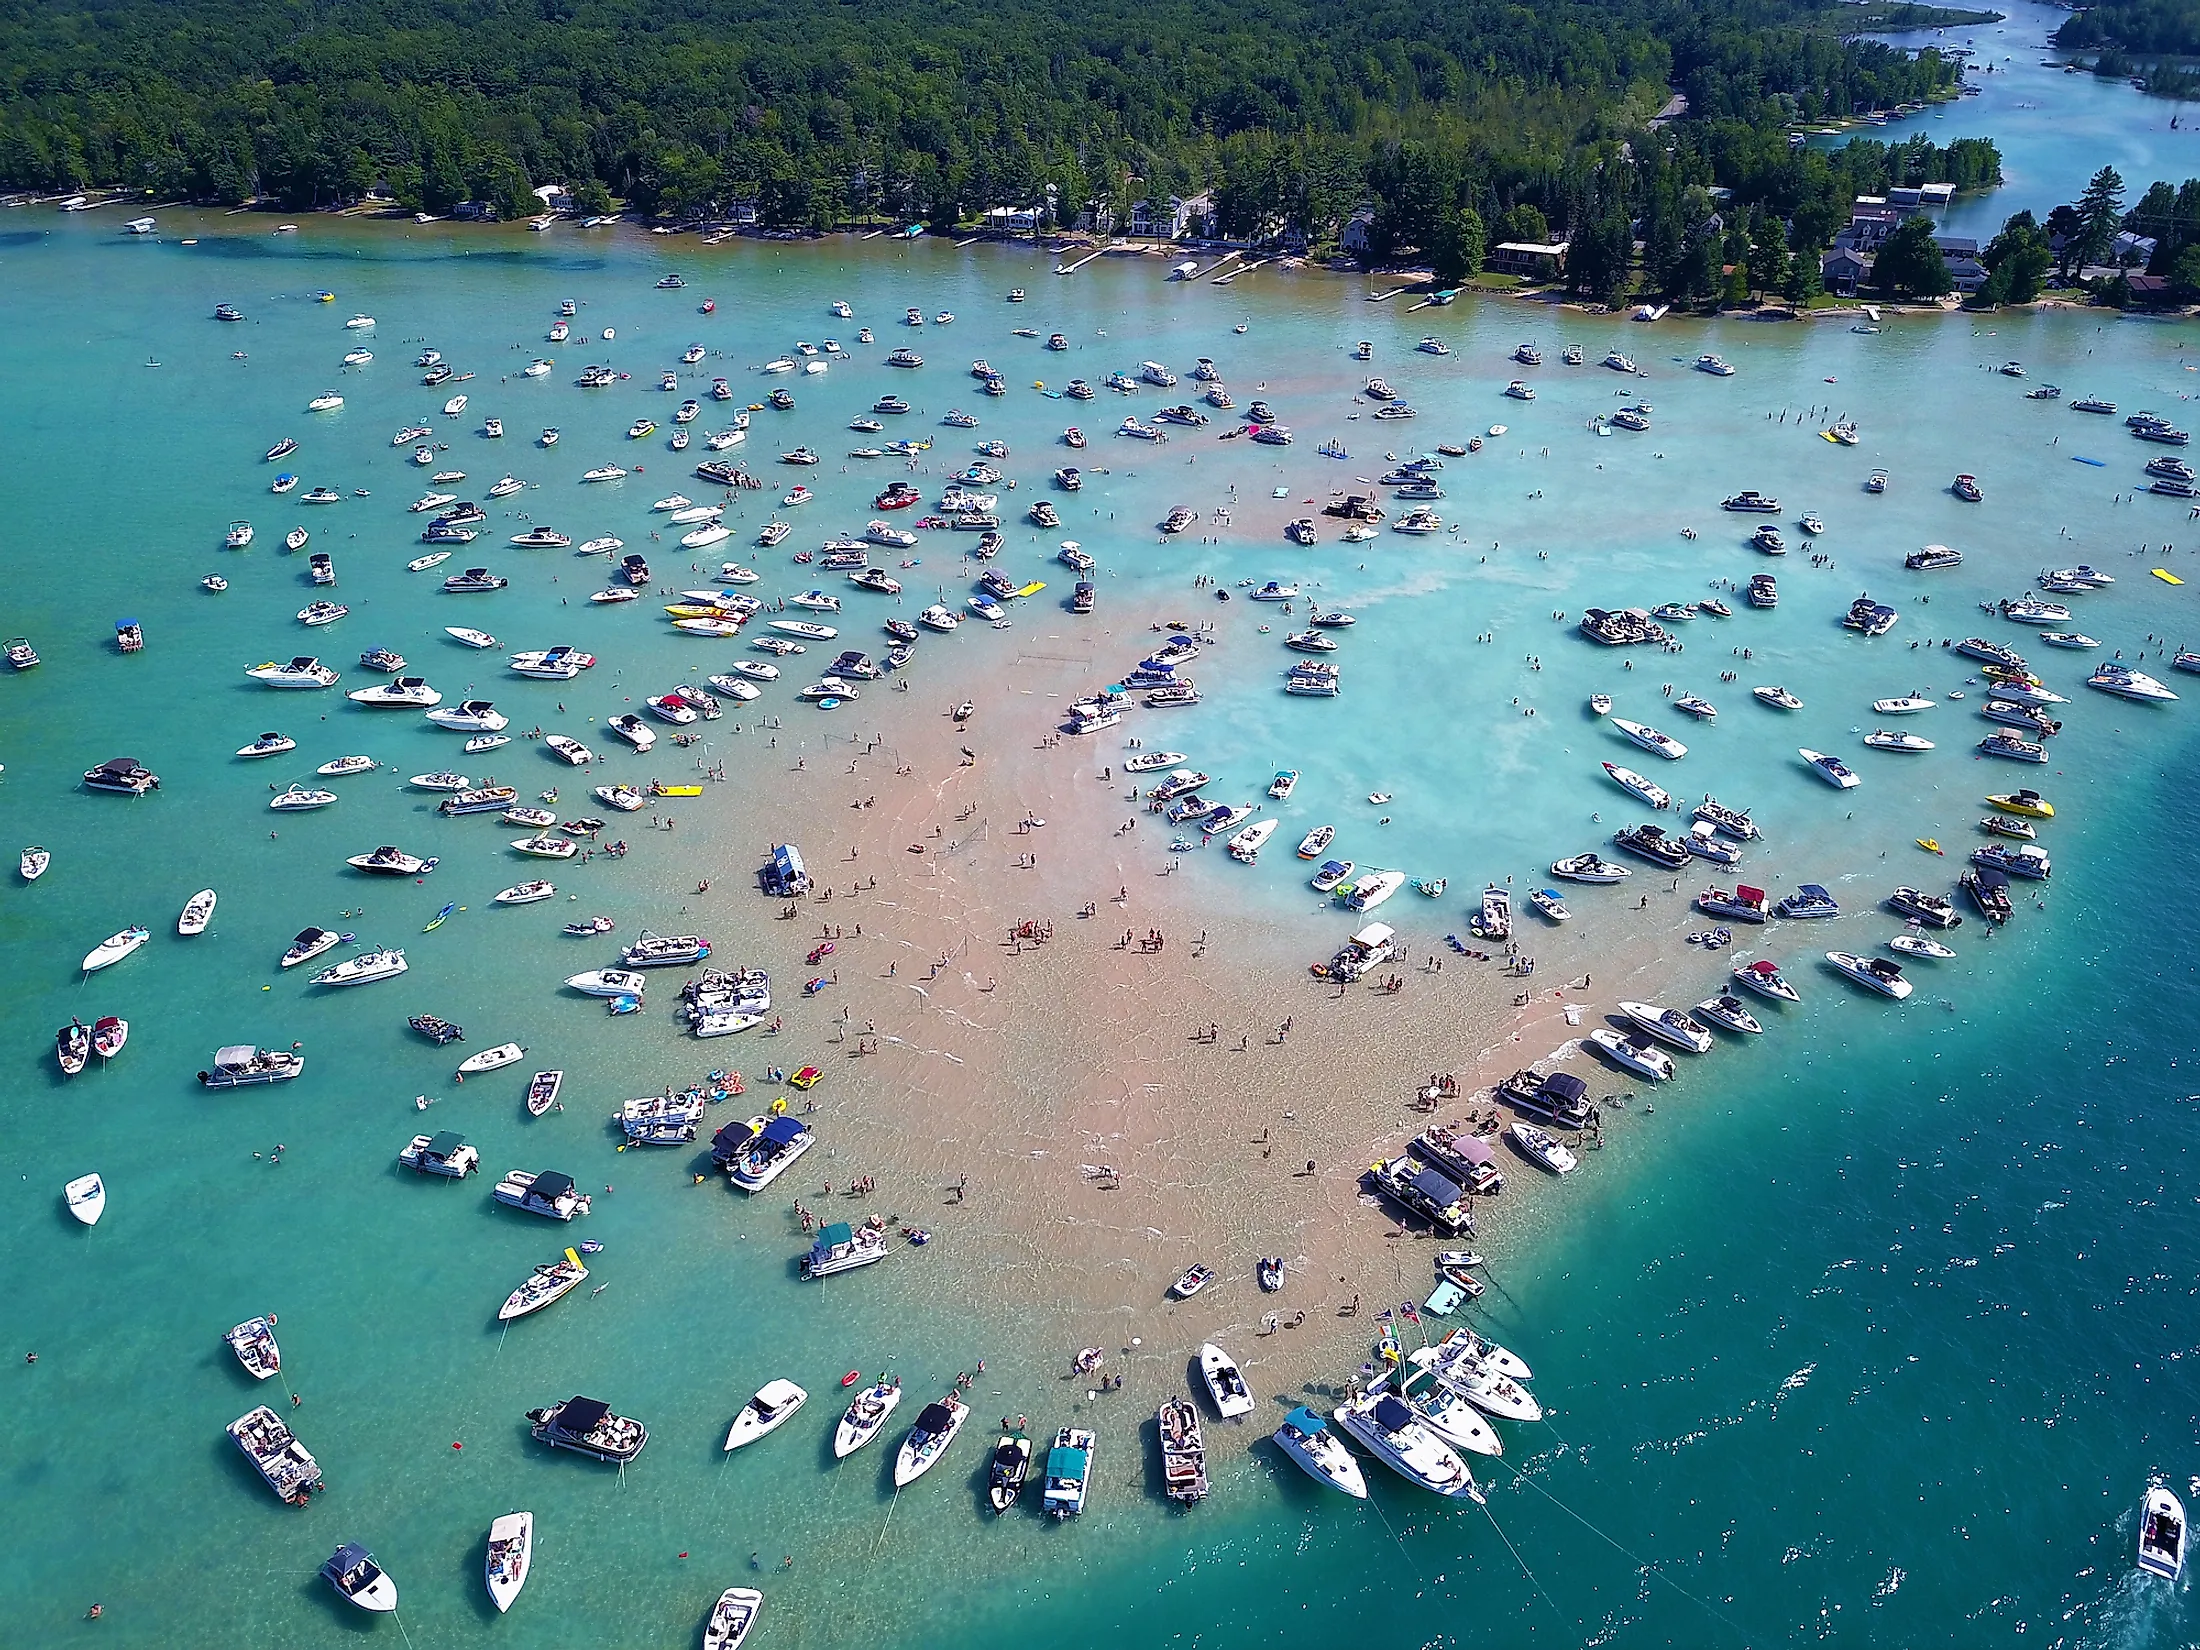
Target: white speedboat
(1542,1148)
(1636,785)
(268,744)
(1645,1060)
(772,1407)
(114,948)
(1763,976)
(32,863)
(479,639)
(1728,1011)
(731,1618)
(352,1571)
(86,1197)
(549,1282)
(1405,1443)
(2162,1534)
(1650,739)
(1449,1414)
(1908,704)
(197,912)
(1921,945)
(491,1059)
(511,1552)
(928,1439)
(865,1417)
(447,1154)
(1306,1439)
(301,672)
(404,693)
(608,982)
(1590,868)
(1885,739)
(1225,1383)
(1877,973)
(1831,769)
(363,969)
(473,716)
(1669,1025)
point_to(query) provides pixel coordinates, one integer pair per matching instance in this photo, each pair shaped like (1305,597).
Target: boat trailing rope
(1640,1563)
(1523,1563)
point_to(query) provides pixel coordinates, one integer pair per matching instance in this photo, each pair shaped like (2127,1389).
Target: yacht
(301,672)
(1404,1442)
(1644,1059)
(1713,365)
(773,1406)
(2126,683)
(363,969)
(937,1425)
(1879,974)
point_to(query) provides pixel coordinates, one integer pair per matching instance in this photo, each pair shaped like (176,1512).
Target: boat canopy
(936,1419)
(1306,1420)
(1989,876)
(1813,890)
(1374,934)
(837,1233)
(1564,1085)
(448,1143)
(236,1054)
(124,765)
(579,1415)
(551,1185)
(1067,1462)
(783,1131)
(1391,1414)
(1438,1190)
(787,875)
(1474,1150)
(1752,896)
(126,624)
(728,1141)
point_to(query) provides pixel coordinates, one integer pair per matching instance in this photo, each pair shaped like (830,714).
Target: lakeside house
(1171,219)
(1357,238)
(1530,260)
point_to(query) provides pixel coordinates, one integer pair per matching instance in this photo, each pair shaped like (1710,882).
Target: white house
(1172,219)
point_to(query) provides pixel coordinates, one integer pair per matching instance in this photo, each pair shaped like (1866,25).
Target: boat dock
(1071,269)
(1202,274)
(1225,280)
(1385,297)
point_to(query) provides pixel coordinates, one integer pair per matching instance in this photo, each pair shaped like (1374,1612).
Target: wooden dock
(1225,280)
(1071,269)
(1202,274)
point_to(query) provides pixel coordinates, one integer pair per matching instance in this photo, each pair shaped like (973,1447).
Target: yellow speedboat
(641,427)
(698,610)
(2029,803)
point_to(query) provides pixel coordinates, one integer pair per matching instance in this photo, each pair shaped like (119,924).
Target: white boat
(480,639)
(86,1197)
(1650,739)
(1764,977)
(1590,868)
(1908,704)
(731,1618)
(1877,973)
(2162,1534)
(1405,1443)
(1921,945)
(1068,1473)
(491,1059)
(1669,1025)
(114,948)
(774,1404)
(2126,683)
(1636,785)
(363,969)
(865,1417)
(453,407)
(300,672)
(608,982)
(549,1282)
(1728,1011)
(1645,1060)
(474,716)
(32,863)
(1831,769)
(1306,1439)
(1225,1383)
(352,1571)
(197,912)
(1245,846)
(1884,739)
(929,1439)
(276,1454)
(569,750)
(405,693)
(1542,1148)
(511,1552)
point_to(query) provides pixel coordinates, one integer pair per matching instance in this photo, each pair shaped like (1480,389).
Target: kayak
(439,916)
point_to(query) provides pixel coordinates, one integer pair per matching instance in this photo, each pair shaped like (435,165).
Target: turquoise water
(2054,130)
(1873,1333)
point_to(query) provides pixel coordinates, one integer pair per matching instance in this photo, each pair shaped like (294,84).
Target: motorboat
(1931,910)
(2162,1534)
(1879,974)
(1727,1010)
(363,969)
(403,693)
(1763,976)
(526,893)
(569,750)
(1225,1383)
(86,1199)
(1883,739)
(1541,1148)
(1636,785)
(1740,904)
(1921,945)
(1590,868)
(301,672)
(275,1452)
(391,862)
(607,982)
(2126,683)
(731,1618)
(549,1282)
(753,1160)
(446,1153)
(2011,747)
(1652,843)
(470,716)
(1831,769)
(114,948)
(1809,902)
(1669,1025)
(588,1427)
(928,1441)
(773,1406)
(1644,1059)
(1403,1441)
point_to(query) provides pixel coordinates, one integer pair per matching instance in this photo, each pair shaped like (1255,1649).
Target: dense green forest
(2167,27)
(824,111)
